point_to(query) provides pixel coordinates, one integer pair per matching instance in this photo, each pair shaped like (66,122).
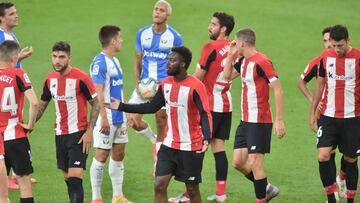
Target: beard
(175,71)
(214,36)
(62,69)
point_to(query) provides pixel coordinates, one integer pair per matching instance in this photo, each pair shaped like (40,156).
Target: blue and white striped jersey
(9,36)
(155,48)
(107,71)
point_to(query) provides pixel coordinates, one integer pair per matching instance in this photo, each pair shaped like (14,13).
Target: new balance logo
(253,147)
(358,151)
(77,163)
(191,178)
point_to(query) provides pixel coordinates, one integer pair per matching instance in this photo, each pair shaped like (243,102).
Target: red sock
(220,187)
(261,200)
(342,175)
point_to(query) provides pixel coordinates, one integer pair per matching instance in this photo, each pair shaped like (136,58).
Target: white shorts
(136,98)
(118,135)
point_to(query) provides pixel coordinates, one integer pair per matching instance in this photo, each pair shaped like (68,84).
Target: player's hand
(129,120)
(279,127)
(204,147)
(113,105)
(86,140)
(319,107)
(25,52)
(312,122)
(233,48)
(105,126)
(28,128)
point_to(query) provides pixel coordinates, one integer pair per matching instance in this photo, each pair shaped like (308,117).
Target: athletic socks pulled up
(221,166)
(96,178)
(260,189)
(116,173)
(76,189)
(27,200)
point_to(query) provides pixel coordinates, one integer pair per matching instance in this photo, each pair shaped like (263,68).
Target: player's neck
(6,28)
(65,71)
(222,36)
(159,28)
(4,65)
(181,76)
(251,51)
(108,52)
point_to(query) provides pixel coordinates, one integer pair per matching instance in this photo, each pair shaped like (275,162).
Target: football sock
(96,178)
(260,188)
(77,191)
(116,173)
(250,176)
(352,175)
(342,172)
(27,200)
(333,164)
(68,187)
(328,180)
(148,133)
(221,166)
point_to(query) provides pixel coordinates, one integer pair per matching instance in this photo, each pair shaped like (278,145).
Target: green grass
(287,31)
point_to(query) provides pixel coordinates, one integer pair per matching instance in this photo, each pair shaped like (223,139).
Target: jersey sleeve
(87,88)
(23,80)
(208,55)
(138,47)
(202,104)
(46,94)
(178,40)
(266,70)
(98,71)
(237,64)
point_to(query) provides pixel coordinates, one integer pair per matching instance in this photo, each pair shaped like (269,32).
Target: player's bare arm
(279,125)
(25,52)
(229,71)
(33,109)
(105,126)
(88,135)
(302,85)
(137,67)
(42,106)
(320,84)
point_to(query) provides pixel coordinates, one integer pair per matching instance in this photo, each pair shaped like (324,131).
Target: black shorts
(256,137)
(18,156)
(221,125)
(68,152)
(186,166)
(342,132)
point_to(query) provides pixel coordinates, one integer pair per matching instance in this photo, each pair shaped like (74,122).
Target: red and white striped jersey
(342,83)
(183,130)
(256,74)
(70,93)
(311,70)
(212,60)
(13,83)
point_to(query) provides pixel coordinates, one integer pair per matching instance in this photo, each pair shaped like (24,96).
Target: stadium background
(289,32)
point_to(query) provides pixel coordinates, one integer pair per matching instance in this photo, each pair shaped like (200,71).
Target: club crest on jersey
(26,78)
(95,70)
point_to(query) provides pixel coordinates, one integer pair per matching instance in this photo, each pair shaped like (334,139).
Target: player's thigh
(240,156)
(77,159)
(327,133)
(3,178)
(350,138)
(258,137)
(18,155)
(240,136)
(221,125)
(166,161)
(189,167)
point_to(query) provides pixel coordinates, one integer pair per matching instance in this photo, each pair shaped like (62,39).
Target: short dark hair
(248,35)
(225,20)
(326,30)
(7,49)
(106,33)
(4,6)
(62,46)
(339,32)
(185,54)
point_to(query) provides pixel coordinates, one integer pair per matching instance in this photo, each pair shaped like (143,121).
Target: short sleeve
(23,80)
(208,55)
(98,71)
(266,70)
(46,94)
(238,63)
(138,47)
(178,40)
(87,88)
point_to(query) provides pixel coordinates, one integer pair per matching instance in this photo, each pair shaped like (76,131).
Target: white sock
(96,178)
(148,133)
(116,173)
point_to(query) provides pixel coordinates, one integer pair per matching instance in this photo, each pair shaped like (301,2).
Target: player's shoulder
(172,30)
(144,28)
(78,72)
(195,82)
(356,52)
(261,58)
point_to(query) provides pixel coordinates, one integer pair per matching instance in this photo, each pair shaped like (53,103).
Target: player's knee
(238,164)
(350,159)
(119,156)
(324,157)
(193,190)
(159,186)
(101,155)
